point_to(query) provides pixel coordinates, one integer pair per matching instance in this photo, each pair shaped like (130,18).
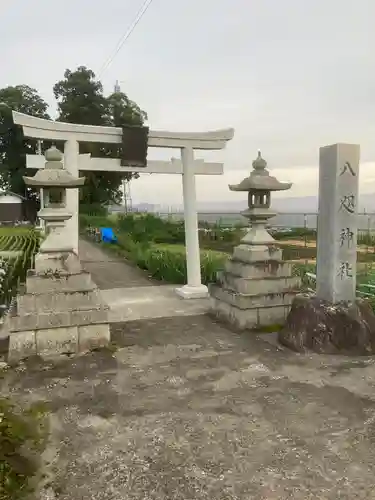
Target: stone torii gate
(73,134)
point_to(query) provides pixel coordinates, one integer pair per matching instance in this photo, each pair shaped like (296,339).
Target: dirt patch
(312,244)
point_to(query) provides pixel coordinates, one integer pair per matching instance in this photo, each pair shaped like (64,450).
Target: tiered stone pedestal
(60,312)
(256,288)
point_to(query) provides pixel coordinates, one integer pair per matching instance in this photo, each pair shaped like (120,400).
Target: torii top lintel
(39,128)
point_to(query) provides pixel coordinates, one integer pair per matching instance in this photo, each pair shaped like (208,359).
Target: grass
(26,241)
(167,262)
(23,435)
(157,245)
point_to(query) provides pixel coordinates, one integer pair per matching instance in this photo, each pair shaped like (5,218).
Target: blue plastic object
(107,235)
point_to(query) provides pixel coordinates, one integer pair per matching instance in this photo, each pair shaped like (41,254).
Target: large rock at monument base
(322,327)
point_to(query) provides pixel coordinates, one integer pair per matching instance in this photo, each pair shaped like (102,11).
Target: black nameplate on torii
(134,146)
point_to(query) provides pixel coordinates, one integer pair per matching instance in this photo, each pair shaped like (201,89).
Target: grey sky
(288,75)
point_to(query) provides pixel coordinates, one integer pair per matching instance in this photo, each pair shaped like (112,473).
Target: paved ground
(108,271)
(187,410)
(129,292)
(148,302)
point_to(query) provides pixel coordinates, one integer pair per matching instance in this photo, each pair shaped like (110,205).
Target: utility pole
(127,197)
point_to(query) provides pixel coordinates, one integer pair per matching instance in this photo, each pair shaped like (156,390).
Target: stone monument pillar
(61,311)
(333,320)
(256,288)
(338,222)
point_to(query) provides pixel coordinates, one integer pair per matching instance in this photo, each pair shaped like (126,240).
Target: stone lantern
(61,311)
(54,180)
(259,185)
(256,288)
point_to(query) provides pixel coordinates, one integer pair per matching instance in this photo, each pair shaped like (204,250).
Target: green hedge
(168,262)
(149,227)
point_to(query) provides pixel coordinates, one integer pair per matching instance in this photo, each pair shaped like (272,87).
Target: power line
(142,11)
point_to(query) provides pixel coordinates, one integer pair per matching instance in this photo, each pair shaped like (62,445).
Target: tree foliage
(122,111)
(13,146)
(81,100)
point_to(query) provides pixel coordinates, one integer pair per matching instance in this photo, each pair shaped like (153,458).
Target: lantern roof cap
(260,179)
(54,174)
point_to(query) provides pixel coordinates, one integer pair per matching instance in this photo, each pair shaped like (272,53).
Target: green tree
(123,111)
(81,100)
(13,145)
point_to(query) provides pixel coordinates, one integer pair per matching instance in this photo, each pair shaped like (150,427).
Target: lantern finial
(53,154)
(260,163)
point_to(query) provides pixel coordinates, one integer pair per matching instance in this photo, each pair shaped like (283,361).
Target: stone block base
(323,327)
(60,312)
(57,341)
(247,319)
(255,289)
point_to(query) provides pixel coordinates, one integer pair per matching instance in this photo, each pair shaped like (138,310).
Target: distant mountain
(304,204)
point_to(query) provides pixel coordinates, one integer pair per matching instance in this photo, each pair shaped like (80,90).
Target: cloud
(289,76)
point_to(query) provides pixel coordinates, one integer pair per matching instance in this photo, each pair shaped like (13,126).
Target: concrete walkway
(185,409)
(130,294)
(109,271)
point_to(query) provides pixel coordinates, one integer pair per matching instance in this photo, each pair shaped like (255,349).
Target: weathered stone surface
(186,410)
(59,319)
(246,287)
(266,285)
(56,341)
(93,336)
(64,283)
(255,278)
(247,319)
(22,345)
(56,302)
(267,268)
(317,325)
(251,301)
(261,253)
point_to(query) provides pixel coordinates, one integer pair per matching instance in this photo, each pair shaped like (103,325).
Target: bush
(22,440)
(169,264)
(149,227)
(367,239)
(93,221)
(156,245)
(94,210)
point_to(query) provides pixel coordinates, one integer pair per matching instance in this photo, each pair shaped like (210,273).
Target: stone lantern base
(256,289)
(60,311)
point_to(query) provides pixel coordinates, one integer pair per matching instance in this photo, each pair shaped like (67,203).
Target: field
(157,245)
(17,250)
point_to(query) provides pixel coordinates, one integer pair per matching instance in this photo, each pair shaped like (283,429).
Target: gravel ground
(185,409)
